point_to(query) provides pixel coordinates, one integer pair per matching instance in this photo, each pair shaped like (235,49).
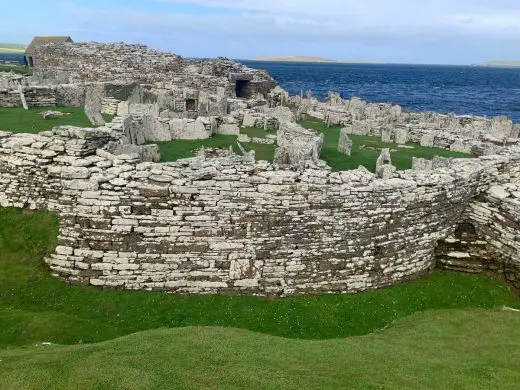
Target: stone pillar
(345,144)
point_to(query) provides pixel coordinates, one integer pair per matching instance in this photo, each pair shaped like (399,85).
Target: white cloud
(453,31)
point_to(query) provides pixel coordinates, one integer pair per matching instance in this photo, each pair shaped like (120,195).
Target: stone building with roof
(30,55)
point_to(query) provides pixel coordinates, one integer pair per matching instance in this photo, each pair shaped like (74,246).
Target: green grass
(35,307)
(12,47)
(256,132)
(18,120)
(262,152)
(177,149)
(19,69)
(449,349)
(402,158)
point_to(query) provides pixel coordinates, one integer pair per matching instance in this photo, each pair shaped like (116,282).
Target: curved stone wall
(232,225)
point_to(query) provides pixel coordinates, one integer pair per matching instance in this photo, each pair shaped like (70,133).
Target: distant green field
(12,47)
(18,120)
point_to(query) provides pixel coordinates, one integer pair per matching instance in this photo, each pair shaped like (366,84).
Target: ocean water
(445,89)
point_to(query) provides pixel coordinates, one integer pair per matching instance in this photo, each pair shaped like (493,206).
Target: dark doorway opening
(31,62)
(191,105)
(465,230)
(242,89)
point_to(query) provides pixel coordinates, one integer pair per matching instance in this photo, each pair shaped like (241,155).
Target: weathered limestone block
(149,153)
(385,171)
(345,144)
(297,145)
(189,129)
(384,158)
(501,128)
(386,135)
(442,162)
(249,120)
(72,95)
(283,114)
(228,129)
(154,130)
(134,131)
(461,146)
(402,136)
(244,138)
(428,140)
(421,164)
(94,103)
(360,128)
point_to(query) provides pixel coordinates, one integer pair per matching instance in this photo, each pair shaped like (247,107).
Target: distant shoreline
(309,60)
(498,64)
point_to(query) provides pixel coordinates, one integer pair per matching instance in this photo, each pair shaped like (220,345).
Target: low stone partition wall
(36,96)
(488,238)
(232,225)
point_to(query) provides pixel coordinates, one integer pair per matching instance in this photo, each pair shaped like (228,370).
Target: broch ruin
(222,223)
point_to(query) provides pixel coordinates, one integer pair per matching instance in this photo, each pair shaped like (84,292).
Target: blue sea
(446,89)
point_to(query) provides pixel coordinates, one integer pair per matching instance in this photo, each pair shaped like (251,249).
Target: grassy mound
(473,349)
(363,155)
(18,120)
(35,307)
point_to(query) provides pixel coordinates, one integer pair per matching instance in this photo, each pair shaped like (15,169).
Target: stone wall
(98,62)
(469,134)
(232,225)
(35,96)
(487,240)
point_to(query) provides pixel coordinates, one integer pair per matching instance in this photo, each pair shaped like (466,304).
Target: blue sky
(403,31)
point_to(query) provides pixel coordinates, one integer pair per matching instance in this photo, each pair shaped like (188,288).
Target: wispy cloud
(453,31)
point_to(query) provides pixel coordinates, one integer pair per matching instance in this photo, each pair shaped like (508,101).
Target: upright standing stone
(345,144)
(384,158)
(94,104)
(428,140)
(401,136)
(386,135)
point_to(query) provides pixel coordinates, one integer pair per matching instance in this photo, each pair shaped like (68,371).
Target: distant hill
(499,64)
(307,59)
(12,47)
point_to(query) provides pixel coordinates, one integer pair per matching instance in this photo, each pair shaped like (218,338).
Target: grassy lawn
(256,132)
(176,149)
(19,69)
(447,349)
(35,307)
(18,120)
(402,158)
(362,154)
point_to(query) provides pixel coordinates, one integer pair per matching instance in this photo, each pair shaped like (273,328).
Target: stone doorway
(191,105)
(242,89)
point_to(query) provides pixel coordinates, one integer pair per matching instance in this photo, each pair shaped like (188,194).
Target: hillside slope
(448,349)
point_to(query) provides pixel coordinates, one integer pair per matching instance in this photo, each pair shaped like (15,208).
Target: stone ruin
(221,223)
(297,146)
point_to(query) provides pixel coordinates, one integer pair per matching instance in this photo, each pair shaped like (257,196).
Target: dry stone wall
(487,240)
(98,62)
(232,225)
